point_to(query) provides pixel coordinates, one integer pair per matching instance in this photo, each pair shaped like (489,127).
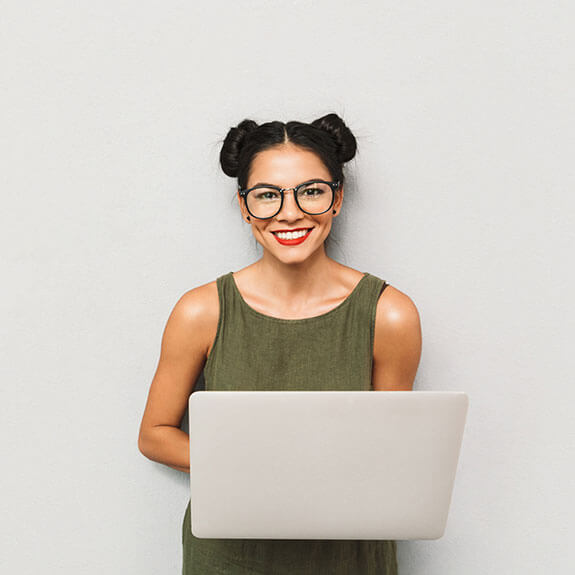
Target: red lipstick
(295,241)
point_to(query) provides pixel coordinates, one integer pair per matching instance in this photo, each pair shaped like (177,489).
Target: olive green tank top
(254,351)
(331,351)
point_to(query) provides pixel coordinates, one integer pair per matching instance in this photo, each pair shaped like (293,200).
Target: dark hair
(327,136)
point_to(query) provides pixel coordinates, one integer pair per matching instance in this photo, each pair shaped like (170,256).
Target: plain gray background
(114,205)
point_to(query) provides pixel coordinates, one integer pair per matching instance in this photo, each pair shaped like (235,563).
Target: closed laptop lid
(323,464)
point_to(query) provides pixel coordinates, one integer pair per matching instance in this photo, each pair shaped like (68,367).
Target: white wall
(114,205)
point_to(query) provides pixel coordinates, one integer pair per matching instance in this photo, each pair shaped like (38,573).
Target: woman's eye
(266,195)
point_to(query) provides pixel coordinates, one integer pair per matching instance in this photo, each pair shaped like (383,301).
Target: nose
(290,210)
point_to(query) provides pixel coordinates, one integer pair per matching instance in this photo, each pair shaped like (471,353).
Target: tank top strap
(373,288)
(363,326)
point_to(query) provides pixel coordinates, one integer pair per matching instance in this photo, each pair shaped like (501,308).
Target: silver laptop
(323,464)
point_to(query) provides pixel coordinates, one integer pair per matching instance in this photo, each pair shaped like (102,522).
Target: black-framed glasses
(313,197)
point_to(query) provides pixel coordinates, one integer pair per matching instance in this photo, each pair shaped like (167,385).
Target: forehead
(286,166)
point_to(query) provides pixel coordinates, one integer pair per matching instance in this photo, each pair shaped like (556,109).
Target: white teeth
(291,235)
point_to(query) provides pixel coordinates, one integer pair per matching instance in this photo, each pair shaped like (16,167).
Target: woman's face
(287,166)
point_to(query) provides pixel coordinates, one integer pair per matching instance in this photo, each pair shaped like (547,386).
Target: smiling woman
(305,321)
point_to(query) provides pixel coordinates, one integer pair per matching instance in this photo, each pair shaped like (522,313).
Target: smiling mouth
(292,234)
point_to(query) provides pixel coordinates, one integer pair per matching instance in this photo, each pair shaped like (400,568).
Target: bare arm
(397,342)
(187,336)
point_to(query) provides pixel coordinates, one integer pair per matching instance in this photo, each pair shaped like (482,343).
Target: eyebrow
(277,186)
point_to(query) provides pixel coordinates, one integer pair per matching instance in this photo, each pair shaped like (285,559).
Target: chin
(294,258)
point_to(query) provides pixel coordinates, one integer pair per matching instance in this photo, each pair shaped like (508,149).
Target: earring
(249,218)
(334,211)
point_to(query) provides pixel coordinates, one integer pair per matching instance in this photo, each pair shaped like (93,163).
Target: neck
(289,280)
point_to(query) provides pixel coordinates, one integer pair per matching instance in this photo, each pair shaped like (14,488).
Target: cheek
(326,225)
(258,231)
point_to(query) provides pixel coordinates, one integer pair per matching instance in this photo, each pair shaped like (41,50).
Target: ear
(338,201)
(243,210)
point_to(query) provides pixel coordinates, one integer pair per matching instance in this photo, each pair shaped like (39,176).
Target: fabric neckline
(332,311)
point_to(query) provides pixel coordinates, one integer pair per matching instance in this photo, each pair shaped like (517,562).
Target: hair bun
(345,141)
(232,147)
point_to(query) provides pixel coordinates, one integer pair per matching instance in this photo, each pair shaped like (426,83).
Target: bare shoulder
(200,303)
(397,341)
(197,311)
(395,309)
